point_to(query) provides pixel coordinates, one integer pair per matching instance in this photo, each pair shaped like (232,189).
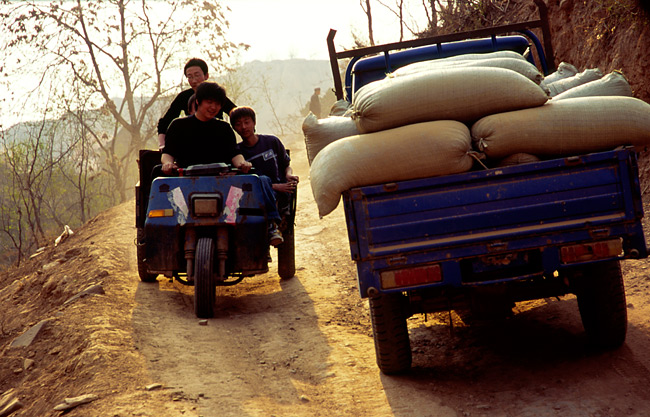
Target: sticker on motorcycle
(177,200)
(232,204)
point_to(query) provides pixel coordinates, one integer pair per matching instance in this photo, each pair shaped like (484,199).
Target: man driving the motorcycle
(201,138)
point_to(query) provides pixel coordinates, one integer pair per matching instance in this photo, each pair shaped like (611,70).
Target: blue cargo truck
(485,239)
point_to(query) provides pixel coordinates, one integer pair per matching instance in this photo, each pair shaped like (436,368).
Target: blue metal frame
(361,71)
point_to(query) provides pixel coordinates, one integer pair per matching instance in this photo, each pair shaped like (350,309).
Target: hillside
(609,35)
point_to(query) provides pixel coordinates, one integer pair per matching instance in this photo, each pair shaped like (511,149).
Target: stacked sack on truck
(414,123)
(587,112)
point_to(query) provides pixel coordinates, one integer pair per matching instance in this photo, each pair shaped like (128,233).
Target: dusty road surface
(298,347)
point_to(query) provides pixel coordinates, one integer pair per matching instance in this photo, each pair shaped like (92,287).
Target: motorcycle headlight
(204,205)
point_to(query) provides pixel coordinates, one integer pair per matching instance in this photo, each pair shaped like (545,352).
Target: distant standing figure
(314,103)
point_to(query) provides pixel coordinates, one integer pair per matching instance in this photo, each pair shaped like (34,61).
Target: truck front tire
(392,344)
(601,300)
(204,281)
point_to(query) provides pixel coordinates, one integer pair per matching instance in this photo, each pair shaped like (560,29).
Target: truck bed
(455,219)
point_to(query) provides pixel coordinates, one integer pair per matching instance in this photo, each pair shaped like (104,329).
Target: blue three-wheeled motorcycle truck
(206,227)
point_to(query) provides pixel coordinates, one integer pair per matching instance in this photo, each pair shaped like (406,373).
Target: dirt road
(300,347)
(304,347)
(297,347)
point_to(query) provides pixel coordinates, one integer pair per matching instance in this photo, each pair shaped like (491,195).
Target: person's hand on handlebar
(169,168)
(244,167)
(241,164)
(168,164)
(286,187)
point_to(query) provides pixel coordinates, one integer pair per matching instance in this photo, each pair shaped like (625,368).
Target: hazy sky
(274,29)
(284,29)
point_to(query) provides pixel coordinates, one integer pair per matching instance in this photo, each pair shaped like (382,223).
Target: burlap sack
(565,84)
(488,55)
(521,66)
(339,108)
(566,127)
(517,159)
(408,152)
(564,70)
(612,84)
(321,132)
(463,94)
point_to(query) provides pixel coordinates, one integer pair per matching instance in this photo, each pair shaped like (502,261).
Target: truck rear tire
(287,255)
(141,253)
(601,300)
(392,344)
(204,282)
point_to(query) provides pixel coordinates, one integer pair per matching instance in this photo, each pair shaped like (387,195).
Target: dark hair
(210,91)
(191,103)
(196,62)
(239,112)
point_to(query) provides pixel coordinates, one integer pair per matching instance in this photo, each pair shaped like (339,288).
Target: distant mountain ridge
(289,83)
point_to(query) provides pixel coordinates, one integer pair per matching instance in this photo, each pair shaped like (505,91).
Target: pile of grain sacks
(436,117)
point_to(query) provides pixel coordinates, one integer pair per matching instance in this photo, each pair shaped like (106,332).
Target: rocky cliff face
(605,34)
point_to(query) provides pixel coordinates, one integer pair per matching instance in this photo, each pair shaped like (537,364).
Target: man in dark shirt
(196,71)
(203,139)
(265,152)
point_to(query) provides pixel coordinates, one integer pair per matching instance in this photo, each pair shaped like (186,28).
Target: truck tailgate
(517,207)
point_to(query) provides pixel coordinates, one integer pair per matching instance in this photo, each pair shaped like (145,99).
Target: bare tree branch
(367,10)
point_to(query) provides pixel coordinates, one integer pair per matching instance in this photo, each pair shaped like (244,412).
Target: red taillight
(411,276)
(591,251)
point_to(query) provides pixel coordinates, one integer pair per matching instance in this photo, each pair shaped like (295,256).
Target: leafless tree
(398,11)
(268,98)
(11,216)
(431,13)
(119,48)
(30,154)
(241,88)
(432,9)
(283,125)
(84,165)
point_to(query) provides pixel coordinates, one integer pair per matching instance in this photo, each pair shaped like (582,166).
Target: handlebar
(216,169)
